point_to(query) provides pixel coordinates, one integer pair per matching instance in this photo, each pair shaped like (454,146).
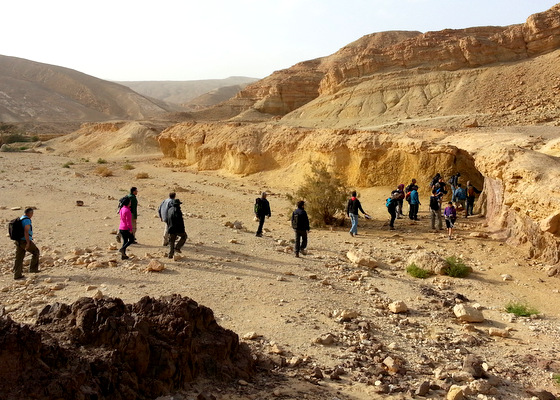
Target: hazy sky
(205,39)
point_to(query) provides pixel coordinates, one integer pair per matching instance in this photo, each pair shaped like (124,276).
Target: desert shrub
(324,193)
(520,309)
(417,272)
(128,166)
(142,175)
(68,164)
(84,159)
(103,171)
(101,161)
(456,268)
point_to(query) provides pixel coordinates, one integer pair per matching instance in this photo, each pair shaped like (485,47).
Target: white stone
(398,307)
(468,314)
(359,257)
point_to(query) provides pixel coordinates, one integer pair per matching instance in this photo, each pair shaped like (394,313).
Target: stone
(326,340)
(468,314)
(251,336)
(498,332)
(155,266)
(423,389)
(98,295)
(234,241)
(359,257)
(507,277)
(345,315)
(96,264)
(428,261)
(294,362)
(113,246)
(455,393)
(393,365)
(397,307)
(79,203)
(473,366)
(57,286)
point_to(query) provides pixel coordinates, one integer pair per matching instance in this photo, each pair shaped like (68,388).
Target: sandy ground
(255,284)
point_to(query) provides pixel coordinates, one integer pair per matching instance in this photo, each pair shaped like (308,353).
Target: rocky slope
(37,92)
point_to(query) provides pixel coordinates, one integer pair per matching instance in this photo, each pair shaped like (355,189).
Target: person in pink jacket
(125,227)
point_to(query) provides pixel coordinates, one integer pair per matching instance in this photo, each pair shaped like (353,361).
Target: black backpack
(295,220)
(15,228)
(258,205)
(434,203)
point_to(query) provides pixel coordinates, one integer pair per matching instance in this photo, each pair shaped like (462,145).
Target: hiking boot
(297,255)
(34,271)
(124,257)
(258,235)
(177,250)
(19,277)
(392,228)
(304,252)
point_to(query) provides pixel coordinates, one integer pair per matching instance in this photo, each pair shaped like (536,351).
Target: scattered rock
(155,266)
(468,314)
(251,336)
(397,307)
(507,277)
(428,261)
(79,203)
(359,257)
(455,393)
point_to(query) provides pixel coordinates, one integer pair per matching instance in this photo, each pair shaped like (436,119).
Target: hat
(177,201)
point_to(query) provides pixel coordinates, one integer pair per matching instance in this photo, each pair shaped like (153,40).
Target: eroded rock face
(105,349)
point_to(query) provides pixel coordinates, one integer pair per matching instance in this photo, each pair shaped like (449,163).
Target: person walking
(414,204)
(300,224)
(391,204)
(450,215)
(262,211)
(162,212)
(26,244)
(134,211)
(461,198)
(453,182)
(471,193)
(352,210)
(400,201)
(435,209)
(125,227)
(407,191)
(176,227)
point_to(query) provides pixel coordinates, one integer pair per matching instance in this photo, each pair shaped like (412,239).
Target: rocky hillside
(37,92)
(186,92)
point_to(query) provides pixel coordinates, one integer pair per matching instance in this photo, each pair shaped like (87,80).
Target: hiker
(133,209)
(400,201)
(25,244)
(435,180)
(175,227)
(414,204)
(453,182)
(441,189)
(471,192)
(391,204)
(300,224)
(352,210)
(450,215)
(262,211)
(162,212)
(435,209)
(125,227)
(408,190)
(460,198)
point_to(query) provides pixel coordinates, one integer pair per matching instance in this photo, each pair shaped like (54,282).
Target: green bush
(128,166)
(417,272)
(101,161)
(324,193)
(457,269)
(520,309)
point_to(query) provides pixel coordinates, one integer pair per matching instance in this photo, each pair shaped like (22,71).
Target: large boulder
(429,261)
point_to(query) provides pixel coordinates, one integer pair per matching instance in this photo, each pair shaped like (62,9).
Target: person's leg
(453,193)
(181,242)
(415,211)
(127,241)
(410,211)
(354,221)
(18,263)
(433,218)
(297,245)
(172,239)
(261,223)
(303,246)
(165,235)
(34,266)
(393,217)
(440,221)
(134,226)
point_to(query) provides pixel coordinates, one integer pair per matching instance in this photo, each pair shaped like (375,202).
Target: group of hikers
(169,211)
(462,198)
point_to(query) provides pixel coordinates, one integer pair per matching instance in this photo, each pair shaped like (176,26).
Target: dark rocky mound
(105,349)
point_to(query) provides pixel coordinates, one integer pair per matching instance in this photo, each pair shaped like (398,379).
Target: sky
(130,40)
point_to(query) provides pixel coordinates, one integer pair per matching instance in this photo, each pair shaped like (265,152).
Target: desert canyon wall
(397,105)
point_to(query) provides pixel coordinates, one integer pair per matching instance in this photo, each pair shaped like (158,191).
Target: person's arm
(360,208)
(26,235)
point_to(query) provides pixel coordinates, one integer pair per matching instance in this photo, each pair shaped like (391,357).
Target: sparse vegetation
(142,175)
(556,378)
(68,164)
(128,167)
(417,272)
(101,161)
(520,309)
(324,193)
(103,171)
(457,268)
(84,159)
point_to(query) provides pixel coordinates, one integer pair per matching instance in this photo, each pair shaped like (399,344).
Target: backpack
(388,202)
(121,203)
(15,228)
(258,205)
(407,196)
(295,218)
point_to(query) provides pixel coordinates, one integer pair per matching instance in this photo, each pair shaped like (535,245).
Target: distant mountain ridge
(184,92)
(38,92)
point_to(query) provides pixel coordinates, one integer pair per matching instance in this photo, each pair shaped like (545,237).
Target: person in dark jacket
(175,227)
(392,204)
(300,224)
(352,210)
(471,193)
(262,210)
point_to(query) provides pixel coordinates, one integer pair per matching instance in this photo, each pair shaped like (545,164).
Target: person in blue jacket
(414,204)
